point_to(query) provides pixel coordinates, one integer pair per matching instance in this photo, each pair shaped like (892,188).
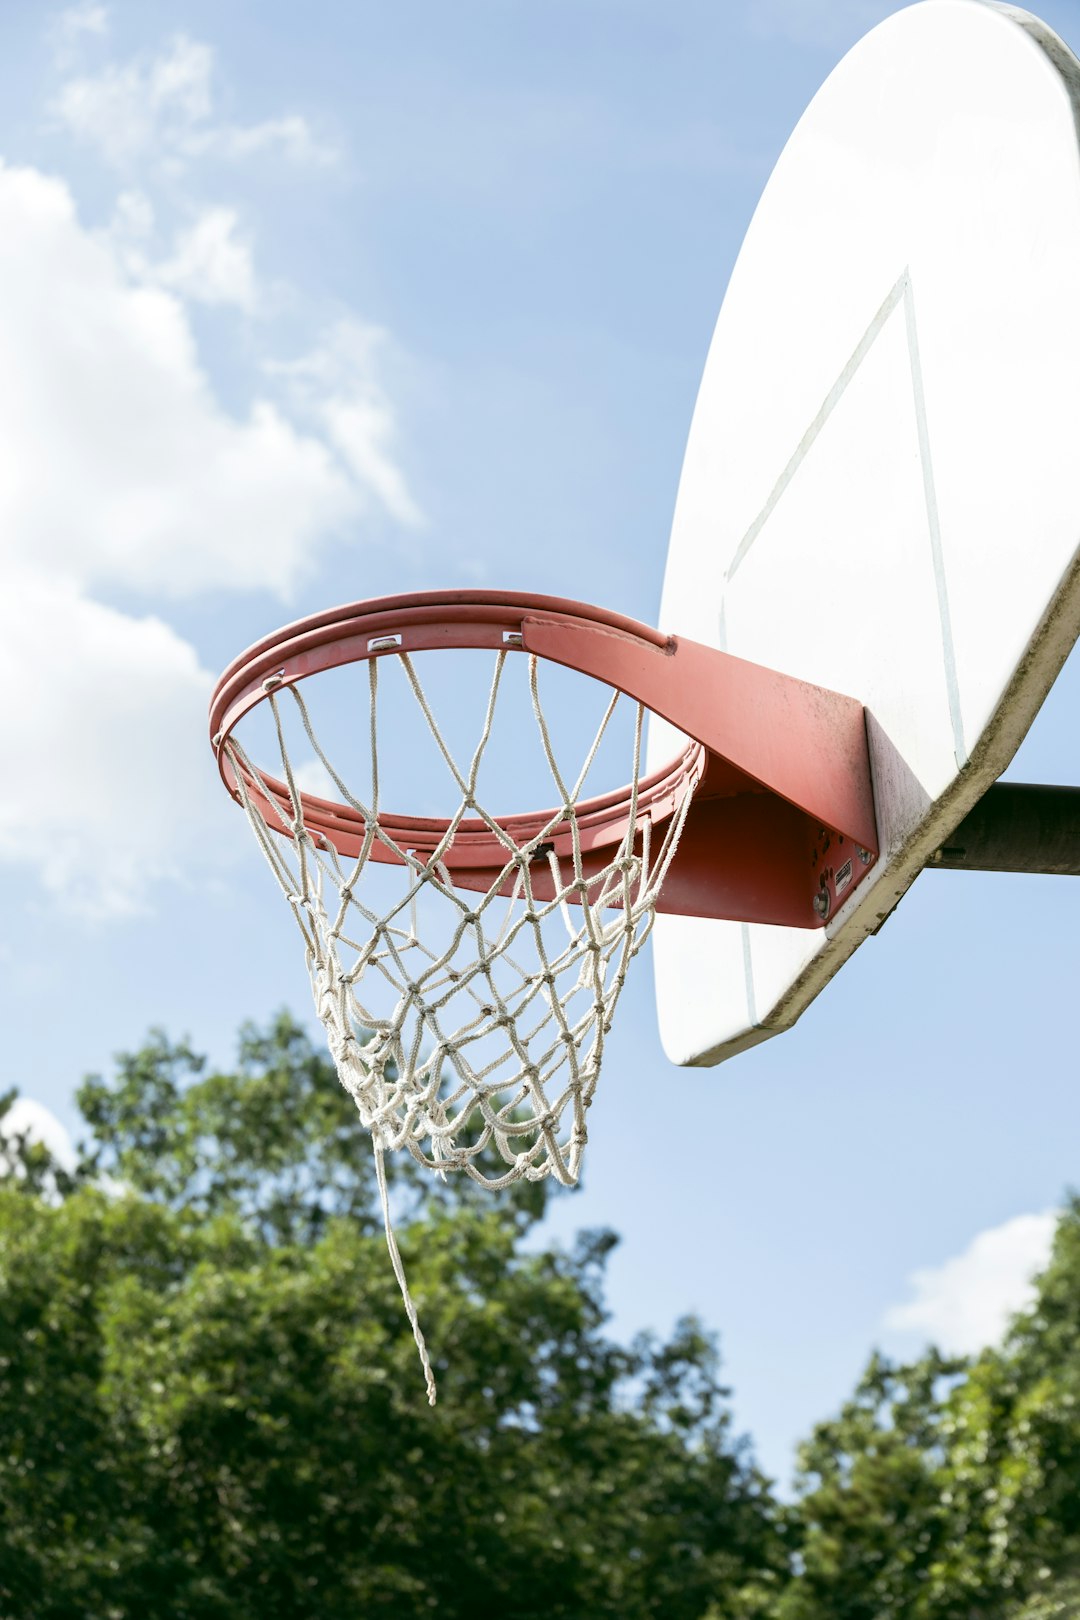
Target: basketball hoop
(484,1055)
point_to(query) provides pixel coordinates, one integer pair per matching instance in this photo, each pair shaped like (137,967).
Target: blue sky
(305,305)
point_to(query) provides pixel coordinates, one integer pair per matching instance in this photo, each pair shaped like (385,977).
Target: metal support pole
(1017,827)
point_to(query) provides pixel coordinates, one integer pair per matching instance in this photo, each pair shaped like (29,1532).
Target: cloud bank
(117,464)
(123,473)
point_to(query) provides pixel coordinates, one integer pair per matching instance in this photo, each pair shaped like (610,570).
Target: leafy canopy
(950,1489)
(210,1405)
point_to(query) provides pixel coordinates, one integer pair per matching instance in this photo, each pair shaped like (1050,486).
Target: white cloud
(162,106)
(335,383)
(211,262)
(107,789)
(67,31)
(41,1125)
(131,106)
(292,137)
(119,467)
(966,1302)
(311,776)
(133,218)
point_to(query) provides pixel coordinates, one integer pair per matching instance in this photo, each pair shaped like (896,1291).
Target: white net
(472,1040)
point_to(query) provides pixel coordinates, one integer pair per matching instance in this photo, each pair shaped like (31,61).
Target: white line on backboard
(900,292)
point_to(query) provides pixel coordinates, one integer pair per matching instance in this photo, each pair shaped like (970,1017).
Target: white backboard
(881,491)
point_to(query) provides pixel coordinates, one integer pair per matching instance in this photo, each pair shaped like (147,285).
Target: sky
(307,305)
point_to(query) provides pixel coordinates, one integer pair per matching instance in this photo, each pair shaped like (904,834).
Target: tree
(1014,1463)
(950,1490)
(210,1406)
(872,1519)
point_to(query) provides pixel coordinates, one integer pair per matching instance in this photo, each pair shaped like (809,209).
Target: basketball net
(484,1056)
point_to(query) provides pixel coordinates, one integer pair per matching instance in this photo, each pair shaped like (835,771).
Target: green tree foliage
(951,1490)
(872,1515)
(210,1404)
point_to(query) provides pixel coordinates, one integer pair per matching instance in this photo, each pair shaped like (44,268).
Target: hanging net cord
(479,1053)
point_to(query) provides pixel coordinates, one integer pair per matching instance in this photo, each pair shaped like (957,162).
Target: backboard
(881,490)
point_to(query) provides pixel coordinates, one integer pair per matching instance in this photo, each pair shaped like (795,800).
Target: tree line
(209,1404)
